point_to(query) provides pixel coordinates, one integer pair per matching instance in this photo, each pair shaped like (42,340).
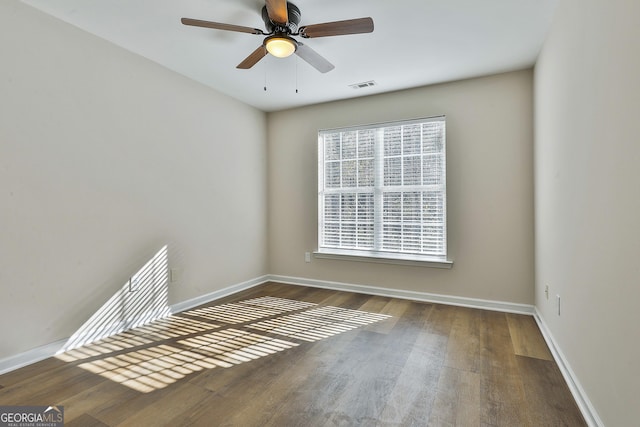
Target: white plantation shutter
(382,190)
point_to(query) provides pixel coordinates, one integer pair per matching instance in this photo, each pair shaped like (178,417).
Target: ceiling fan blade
(314,58)
(219,26)
(277,11)
(338,28)
(253,59)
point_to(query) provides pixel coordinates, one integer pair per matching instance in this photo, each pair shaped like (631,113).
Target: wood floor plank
(526,337)
(344,365)
(105,396)
(47,367)
(502,392)
(309,294)
(411,400)
(185,399)
(457,401)
(84,420)
(463,349)
(345,300)
(441,319)
(547,394)
(375,303)
(426,364)
(378,373)
(394,308)
(328,366)
(45,389)
(277,382)
(238,402)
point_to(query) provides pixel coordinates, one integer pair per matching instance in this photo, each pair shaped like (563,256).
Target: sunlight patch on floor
(318,323)
(159,330)
(218,336)
(151,368)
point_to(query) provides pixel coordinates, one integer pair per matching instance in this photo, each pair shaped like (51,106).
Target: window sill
(398,259)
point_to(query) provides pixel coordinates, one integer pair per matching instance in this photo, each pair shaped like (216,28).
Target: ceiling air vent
(362,85)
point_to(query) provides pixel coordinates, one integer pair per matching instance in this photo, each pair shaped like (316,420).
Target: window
(382,191)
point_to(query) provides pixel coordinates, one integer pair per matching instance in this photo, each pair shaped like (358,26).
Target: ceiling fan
(281,20)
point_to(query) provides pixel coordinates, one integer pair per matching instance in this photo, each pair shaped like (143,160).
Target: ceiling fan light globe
(280,47)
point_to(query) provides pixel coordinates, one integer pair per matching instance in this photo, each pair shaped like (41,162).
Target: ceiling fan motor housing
(289,27)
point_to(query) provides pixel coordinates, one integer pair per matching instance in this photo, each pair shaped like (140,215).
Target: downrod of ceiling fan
(290,27)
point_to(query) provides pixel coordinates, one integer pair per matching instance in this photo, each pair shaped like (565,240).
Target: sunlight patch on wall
(140,300)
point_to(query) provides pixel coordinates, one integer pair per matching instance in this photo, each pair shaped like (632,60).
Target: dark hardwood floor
(281,355)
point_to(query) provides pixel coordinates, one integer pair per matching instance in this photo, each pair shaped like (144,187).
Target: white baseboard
(582,400)
(34,355)
(410,295)
(221,293)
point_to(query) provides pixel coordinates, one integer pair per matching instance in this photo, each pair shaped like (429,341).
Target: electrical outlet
(546,291)
(307,257)
(134,282)
(175,274)
(558,299)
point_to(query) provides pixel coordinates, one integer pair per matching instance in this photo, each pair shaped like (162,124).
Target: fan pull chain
(296,74)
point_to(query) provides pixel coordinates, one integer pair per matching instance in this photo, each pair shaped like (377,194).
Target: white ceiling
(415,43)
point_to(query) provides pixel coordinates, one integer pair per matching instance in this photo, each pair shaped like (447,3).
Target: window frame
(378,189)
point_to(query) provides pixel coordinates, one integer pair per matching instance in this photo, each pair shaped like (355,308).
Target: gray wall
(489,186)
(104,158)
(587,197)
